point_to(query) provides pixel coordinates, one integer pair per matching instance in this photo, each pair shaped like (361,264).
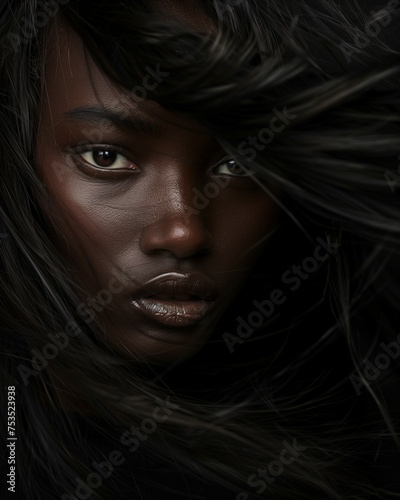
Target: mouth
(174,311)
(176,300)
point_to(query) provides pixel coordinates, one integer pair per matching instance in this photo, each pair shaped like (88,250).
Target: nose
(178,227)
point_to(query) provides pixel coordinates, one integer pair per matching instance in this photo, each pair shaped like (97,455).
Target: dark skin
(121,205)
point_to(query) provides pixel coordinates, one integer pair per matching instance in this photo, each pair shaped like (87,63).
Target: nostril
(183,238)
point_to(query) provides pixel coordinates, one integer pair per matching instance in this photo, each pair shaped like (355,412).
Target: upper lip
(175,283)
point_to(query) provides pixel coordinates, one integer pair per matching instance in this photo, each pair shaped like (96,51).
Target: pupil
(104,157)
(235,168)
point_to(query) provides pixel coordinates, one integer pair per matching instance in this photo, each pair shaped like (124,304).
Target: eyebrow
(96,115)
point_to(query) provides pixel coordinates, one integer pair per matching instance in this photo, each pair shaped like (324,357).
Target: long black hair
(309,378)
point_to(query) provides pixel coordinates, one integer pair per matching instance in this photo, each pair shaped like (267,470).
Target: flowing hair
(300,377)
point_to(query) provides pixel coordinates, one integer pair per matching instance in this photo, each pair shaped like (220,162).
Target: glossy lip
(176,299)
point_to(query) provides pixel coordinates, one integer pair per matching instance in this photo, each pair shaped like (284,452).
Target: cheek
(99,223)
(246,217)
(84,224)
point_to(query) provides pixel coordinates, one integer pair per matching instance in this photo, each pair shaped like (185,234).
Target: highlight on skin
(232,69)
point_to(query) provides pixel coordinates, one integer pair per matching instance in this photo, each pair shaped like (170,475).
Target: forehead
(187,11)
(73,80)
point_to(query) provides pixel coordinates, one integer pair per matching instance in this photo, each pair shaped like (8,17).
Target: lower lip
(176,313)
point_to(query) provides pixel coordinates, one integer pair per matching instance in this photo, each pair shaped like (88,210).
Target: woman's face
(136,193)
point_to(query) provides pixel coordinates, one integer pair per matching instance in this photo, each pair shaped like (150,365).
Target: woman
(200,234)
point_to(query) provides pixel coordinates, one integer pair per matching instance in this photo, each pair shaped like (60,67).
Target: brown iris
(104,157)
(235,168)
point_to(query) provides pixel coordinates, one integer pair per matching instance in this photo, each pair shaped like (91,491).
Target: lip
(176,299)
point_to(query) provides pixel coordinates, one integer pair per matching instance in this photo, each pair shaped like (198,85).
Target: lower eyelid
(79,151)
(91,170)
(248,173)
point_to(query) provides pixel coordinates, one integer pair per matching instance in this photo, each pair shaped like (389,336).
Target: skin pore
(123,200)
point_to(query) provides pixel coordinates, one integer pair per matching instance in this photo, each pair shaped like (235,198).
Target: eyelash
(248,172)
(79,151)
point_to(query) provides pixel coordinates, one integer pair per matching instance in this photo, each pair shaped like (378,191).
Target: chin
(159,347)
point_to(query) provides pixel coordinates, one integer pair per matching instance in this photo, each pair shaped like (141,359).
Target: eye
(232,168)
(105,157)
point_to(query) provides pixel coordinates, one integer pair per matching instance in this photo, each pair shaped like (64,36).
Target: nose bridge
(177,226)
(179,192)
